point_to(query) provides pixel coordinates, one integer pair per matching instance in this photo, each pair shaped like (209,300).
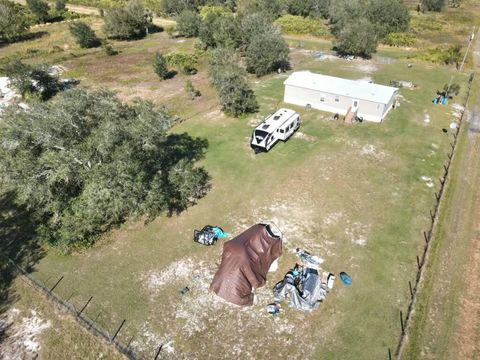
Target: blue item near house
(444,101)
(435,101)
(346,279)
(220,233)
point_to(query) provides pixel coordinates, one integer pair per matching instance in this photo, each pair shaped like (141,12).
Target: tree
(188,23)
(433,5)
(175,7)
(388,16)
(344,12)
(39,9)
(357,38)
(13,22)
(272,9)
(453,55)
(253,25)
(266,53)
(30,80)
(230,81)
(85,162)
(191,91)
(84,35)
(127,23)
(160,66)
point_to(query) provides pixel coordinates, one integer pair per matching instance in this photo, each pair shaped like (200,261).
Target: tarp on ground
(245,263)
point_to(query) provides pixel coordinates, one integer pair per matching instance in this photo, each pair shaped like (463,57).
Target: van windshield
(260,135)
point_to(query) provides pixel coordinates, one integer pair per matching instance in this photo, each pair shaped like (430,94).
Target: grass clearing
(353,195)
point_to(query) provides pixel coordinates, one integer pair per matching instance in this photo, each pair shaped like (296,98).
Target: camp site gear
(209,235)
(304,286)
(245,263)
(346,279)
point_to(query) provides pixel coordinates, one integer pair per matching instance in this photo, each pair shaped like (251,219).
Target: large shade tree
(129,22)
(85,162)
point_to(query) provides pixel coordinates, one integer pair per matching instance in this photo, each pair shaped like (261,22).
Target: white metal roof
(276,120)
(359,89)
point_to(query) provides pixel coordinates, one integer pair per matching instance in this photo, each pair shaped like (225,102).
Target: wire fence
(80,315)
(428,236)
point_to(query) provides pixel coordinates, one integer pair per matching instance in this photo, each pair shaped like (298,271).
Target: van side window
(282,131)
(337,99)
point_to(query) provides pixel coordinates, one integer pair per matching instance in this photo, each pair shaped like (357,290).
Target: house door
(355,104)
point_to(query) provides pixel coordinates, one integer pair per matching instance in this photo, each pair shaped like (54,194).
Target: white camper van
(275,127)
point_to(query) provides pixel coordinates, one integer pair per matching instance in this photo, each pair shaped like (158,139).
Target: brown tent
(245,263)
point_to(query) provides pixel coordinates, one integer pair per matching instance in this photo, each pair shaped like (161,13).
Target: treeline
(15,19)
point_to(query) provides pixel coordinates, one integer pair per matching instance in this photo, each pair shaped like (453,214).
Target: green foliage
(441,55)
(388,16)
(292,24)
(31,80)
(314,8)
(191,91)
(220,30)
(13,21)
(85,162)
(343,13)
(271,9)
(127,23)
(254,24)
(433,5)
(188,23)
(400,39)
(357,38)
(266,53)
(175,7)
(109,50)
(422,23)
(230,81)
(160,66)
(84,35)
(61,6)
(40,10)
(183,62)
(215,10)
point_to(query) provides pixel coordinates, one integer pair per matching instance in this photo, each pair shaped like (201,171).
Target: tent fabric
(245,263)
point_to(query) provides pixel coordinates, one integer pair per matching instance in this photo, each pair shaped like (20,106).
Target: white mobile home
(369,101)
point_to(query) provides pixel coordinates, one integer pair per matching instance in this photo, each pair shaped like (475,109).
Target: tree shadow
(25,37)
(18,244)
(170,75)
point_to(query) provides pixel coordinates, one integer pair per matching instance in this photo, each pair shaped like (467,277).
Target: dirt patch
(21,335)
(428,181)
(303,136)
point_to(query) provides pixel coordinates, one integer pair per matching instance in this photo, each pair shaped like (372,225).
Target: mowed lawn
(356,195)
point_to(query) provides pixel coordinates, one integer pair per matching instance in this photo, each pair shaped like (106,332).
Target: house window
(322,98)
(378,106)
(282,131)
(337,99)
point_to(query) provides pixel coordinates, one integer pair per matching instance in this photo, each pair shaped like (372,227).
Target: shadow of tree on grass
(18,244)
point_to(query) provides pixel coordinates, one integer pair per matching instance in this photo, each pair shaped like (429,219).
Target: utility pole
(470,41)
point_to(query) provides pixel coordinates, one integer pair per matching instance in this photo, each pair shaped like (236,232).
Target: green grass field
(353,195)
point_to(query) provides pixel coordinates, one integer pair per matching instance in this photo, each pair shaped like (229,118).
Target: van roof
(276,120)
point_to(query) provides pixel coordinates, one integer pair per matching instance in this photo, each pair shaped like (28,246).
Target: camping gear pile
(246,260)
(209,235)
(305,285)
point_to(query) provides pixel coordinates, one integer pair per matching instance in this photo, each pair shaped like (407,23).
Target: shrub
(39,9)
(109,50)
(400,39)
(182,62)
(32,80)
(440,55)
(126,23)
(433,5)
(291,24)
(266,53)
(230,81)
(160,66)
(188,23)
(422,23)
(191,91)
(84,35)
(13,21)
(357,38)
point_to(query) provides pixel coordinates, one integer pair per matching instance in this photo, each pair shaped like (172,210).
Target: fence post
(418,262)
(58,282)
(158,352)
(119,328)
(410,286)
(425,237)
(84,306)
(401,322)
(389,354)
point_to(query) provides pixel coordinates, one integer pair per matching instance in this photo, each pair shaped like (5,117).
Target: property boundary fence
(79,314)
(428,236)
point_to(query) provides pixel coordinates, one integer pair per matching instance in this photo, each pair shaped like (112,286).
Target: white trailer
(278,126)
